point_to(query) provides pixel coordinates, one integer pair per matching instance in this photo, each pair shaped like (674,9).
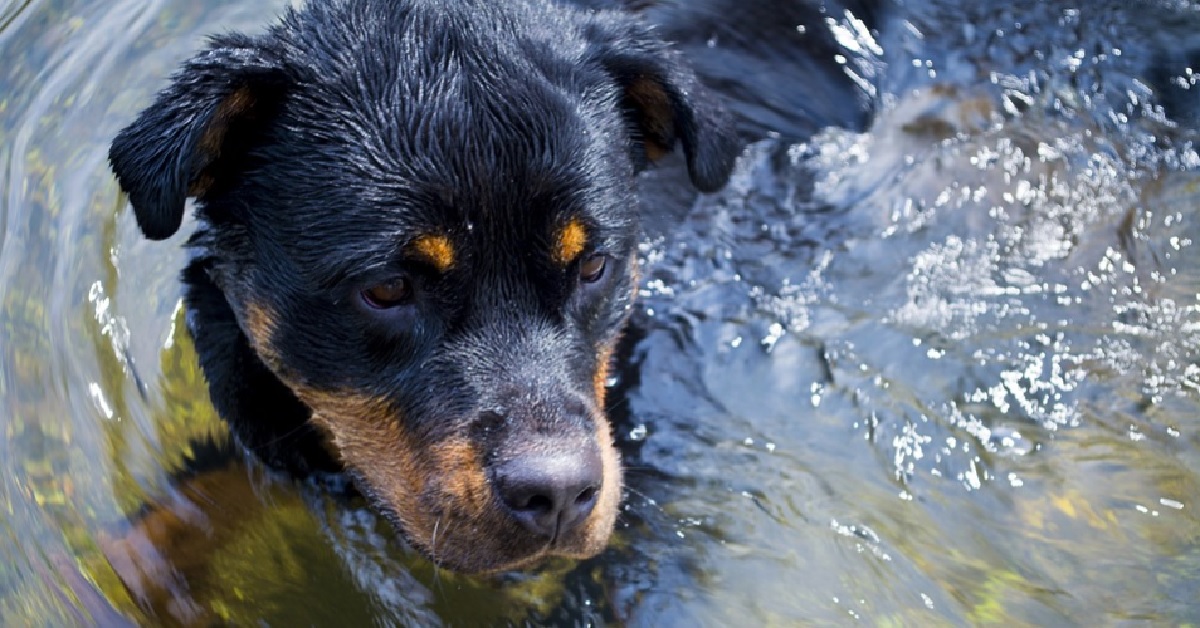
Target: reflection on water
(942,366)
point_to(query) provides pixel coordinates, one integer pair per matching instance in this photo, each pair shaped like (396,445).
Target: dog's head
(423,220)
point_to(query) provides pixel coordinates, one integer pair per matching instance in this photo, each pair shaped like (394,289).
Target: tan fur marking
(594,534)
(654,152)
(600,380)
(435,249)
(438,486)
(572,239)
(591,538)
(201,184)
(657,117)
(406,473)
(259,325)
(235,105)
(440,490)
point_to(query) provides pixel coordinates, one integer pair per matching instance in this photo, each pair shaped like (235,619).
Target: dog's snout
(551,493)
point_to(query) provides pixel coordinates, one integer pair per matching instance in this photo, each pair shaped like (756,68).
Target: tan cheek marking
(371,439)
(601,378)
(571,241)
(435,249)
(463,477)
(259,325)
(604,357)
(372,442)
(428,485)
(594,536)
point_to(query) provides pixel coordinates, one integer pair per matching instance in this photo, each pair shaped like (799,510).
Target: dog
(417,250)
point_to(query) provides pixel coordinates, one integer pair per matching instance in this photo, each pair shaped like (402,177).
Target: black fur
(320,150)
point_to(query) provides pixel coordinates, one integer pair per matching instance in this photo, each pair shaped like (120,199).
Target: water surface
(931,357)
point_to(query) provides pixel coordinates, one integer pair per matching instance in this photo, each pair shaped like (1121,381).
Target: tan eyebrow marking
(571,240)
(435,249)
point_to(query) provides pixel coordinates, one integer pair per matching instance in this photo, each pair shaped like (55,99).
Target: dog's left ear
(188,142)
(665,101)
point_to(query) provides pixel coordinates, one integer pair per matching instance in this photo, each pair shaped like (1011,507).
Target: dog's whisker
(303,428)
(644,468)
(639,493)
(647,500)
(437,566)
(618,404)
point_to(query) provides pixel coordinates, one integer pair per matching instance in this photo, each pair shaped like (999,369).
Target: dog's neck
(264,414)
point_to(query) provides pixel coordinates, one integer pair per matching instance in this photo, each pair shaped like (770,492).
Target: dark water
(931,358)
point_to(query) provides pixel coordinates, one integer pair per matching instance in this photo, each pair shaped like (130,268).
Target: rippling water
(937,366)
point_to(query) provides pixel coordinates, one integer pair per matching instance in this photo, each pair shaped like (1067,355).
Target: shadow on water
(930,357)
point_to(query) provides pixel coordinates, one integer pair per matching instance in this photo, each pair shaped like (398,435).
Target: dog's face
(424,223)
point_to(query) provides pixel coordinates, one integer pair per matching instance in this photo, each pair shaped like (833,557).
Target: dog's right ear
(188,142)
(664,101)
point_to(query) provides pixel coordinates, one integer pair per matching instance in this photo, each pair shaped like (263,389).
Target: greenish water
(940,371)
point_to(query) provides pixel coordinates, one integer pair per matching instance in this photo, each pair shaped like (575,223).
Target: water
(930,358)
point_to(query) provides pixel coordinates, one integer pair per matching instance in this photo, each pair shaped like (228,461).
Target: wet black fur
(354,126)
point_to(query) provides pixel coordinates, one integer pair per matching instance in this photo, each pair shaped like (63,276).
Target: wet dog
(417,250)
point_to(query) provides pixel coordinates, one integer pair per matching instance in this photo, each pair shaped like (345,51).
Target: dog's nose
(550,494)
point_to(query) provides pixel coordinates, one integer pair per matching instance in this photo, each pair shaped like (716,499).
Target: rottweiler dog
(417,250)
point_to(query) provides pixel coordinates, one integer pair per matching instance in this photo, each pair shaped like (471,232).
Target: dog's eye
(592,268)
(391,293)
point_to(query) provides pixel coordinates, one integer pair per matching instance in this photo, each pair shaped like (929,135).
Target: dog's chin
(494,553)
(572,548)
(489,542)
(461,556)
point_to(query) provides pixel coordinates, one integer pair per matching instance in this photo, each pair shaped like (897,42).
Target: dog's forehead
(465,168)
(470,143)
(468,231)
(412,58)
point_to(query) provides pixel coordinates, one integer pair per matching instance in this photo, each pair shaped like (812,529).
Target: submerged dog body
(418,249)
